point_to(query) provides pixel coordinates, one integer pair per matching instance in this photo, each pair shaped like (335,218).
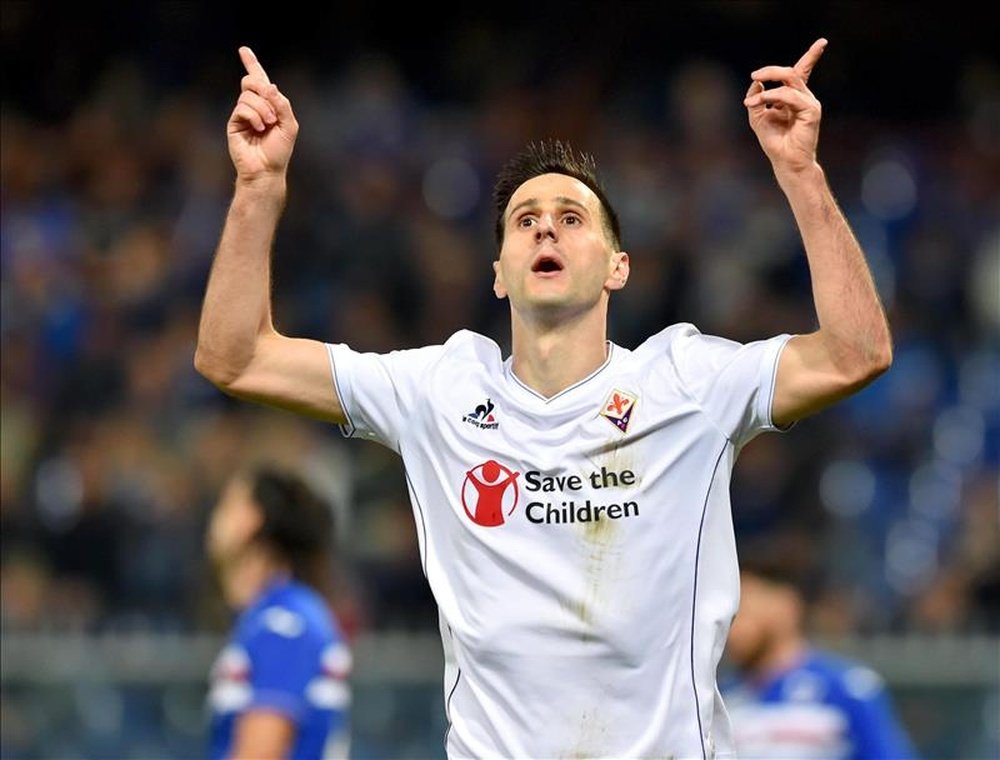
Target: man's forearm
(851,318)
(237,306)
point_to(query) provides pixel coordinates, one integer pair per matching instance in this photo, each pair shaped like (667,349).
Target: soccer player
(788,699)
(279,689)
(571,500)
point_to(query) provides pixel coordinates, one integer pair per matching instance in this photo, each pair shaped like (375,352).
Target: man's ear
(619,271)
(498,286)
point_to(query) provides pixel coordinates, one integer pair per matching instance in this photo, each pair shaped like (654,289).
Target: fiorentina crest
(618,408)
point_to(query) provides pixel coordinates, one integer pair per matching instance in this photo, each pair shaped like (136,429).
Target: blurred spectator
(280,687)
(787,698)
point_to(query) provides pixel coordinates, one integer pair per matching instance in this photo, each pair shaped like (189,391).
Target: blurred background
(115,184)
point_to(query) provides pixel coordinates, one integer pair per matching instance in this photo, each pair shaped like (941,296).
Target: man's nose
(546,227)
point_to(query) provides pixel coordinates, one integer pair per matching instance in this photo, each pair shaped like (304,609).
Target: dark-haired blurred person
(788,698)
(279,689)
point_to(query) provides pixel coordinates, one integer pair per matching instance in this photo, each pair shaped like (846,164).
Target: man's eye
(525,221)
(571,219)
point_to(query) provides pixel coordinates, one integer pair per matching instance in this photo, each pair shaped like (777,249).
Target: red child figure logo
(487,489)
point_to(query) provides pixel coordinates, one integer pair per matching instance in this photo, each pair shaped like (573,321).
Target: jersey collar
(508,370)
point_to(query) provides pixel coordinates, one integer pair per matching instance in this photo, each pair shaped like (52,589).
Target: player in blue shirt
(279,689)
(787,699)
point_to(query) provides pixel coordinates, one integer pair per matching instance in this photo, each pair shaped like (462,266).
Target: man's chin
(548,294)
(749,656)
(550,308)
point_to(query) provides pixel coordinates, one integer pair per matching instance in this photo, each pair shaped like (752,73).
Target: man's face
(235,519)
(556,257)
(753,630)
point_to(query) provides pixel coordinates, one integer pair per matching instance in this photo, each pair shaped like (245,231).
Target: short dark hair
(298,525)
(552,157)
(784,559)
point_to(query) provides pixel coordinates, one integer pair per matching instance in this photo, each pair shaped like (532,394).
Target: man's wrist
(266,181)
(269,188)
(801,177)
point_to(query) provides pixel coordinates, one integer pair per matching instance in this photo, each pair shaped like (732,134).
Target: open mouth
(547,264)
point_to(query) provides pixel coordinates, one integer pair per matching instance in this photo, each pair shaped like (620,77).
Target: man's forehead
(551,187)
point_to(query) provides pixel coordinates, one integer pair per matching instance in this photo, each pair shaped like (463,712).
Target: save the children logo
(489,493)
(492,491)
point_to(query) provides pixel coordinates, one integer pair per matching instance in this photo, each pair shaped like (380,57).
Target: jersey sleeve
(875,730)
(284,660)
(732,382)
(378,391)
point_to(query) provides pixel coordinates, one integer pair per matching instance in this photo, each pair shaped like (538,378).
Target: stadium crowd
(113,446)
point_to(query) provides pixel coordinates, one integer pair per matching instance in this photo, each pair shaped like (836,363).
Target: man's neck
(247,579)
(780,657)
(550,357)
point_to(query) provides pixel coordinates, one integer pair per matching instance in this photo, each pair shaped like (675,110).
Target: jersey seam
(348,428)
(447,704)
(694,596)
(773,386)
(701,407)
(420,511)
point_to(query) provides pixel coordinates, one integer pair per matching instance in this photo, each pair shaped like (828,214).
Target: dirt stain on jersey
(619,458)
(602,552)
(581,610)
(617,455)
(601,540)
(592,735)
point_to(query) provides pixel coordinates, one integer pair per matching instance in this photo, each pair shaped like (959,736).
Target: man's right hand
(262,127)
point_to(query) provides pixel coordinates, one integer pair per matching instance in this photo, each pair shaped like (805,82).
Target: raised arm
(238,348)
(853,345)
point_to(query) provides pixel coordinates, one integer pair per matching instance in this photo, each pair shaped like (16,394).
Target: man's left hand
(786,118)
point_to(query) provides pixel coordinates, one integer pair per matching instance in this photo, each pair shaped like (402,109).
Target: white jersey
(580,548)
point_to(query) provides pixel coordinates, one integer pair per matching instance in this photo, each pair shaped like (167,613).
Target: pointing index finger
(808,61)
(251,64)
